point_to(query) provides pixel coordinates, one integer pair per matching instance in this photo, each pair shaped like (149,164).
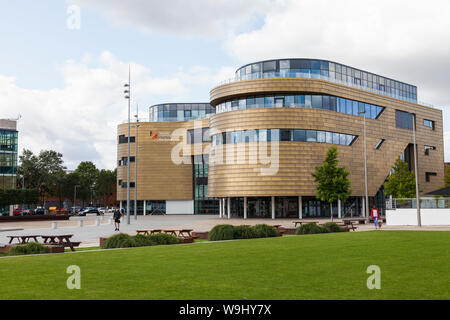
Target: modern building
(252,151)
(8,153)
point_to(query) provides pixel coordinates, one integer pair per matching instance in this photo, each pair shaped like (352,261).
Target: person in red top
(375,216)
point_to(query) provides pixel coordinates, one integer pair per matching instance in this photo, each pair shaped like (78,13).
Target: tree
(43,172)
(87,173)
(106,183)
(332,182)
(401,183)
(447,175)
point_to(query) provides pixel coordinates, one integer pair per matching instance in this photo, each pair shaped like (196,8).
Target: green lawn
(414,265)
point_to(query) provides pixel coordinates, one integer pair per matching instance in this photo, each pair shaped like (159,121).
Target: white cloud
(193,17)
(80,119)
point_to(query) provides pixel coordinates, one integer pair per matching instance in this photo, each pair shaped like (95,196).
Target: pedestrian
(375,216)
(117,216)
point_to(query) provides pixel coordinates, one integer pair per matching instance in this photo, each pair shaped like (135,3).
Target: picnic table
(301,222)
(170,231)
(359,220)
(148,231)
(23,239)
(186,233)
(62,240)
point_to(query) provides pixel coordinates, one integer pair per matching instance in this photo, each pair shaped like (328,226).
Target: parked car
(89,211)
(18,212)
(40,211)
(4,213)
(27,212)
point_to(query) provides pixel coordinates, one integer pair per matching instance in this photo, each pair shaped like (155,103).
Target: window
(429,123)
(404,119)
(378,145)
(270,66)
(311,136)
(299,135)
(428,148)
(123,139)
(317,102)
(428,176)
(285,135)
(279,102)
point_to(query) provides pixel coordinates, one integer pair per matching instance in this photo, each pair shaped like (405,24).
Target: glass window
(317,102)
(328,137)
(285,135)
(289,101)
(285,64)
(268,102)
(333,102)
(349,106)
(311,135)
(308,101)
(251,103)
(256,67)
(342,139)
(279,102)
(350,139)
(321,136)
(326,102)
(270,66)
(259,101)
(242,103)
(355,108)
(335,138)
(299,135)
(300,101)
(315,64)
(331,66)
(262,135)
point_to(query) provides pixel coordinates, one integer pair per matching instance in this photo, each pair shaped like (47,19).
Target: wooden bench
(148,231)
(23,239)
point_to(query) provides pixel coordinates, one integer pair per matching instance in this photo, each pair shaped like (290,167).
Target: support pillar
(363,207)
(300,207)
(245,207)
(223,208)
(339,209)
(145,207)
(229,208)
(273,207)
(220,207)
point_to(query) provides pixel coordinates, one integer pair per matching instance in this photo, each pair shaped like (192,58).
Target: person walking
(117,216)
(375,216)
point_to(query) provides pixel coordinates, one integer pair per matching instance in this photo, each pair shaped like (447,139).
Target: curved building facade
(274,123)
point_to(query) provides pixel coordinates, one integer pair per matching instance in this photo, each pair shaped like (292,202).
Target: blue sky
(67,84)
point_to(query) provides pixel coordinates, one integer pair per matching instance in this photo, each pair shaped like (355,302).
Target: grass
(414,265)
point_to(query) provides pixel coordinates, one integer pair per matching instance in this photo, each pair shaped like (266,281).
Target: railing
(270,75)
(425,203)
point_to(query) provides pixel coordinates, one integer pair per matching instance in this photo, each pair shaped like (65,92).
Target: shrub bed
(123,240)
(29,248)
(312,228)
(229,232)
(309,228)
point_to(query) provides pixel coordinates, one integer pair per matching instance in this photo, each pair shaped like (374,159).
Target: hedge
(123,240)
(229,232)
(29,248)
(309,228)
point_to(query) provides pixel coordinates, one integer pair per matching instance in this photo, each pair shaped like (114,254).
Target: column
(300,207)
(339,209)
(229,208)
(145,207)
(245,207)
(224,206)
(220,207)
(363,207)
(273,207)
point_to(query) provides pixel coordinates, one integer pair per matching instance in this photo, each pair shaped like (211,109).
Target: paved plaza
(91,231)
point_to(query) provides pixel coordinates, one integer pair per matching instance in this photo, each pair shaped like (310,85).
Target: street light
(416,172)
(128,97)
(75,197)
(365,164)
(136,162)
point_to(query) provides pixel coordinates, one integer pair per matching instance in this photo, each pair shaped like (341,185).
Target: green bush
(162,238)
(221,232)
(309,228)
(121,240)
(29,248)
(143,241)
(244,232)
(265,231)
(331,227)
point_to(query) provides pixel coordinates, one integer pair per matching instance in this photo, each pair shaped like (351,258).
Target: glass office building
(8,154)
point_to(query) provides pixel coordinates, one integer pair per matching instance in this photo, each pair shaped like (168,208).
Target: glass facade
(330,71)
(180,112)
(263,135)
(326,102)
(8,158)
(404,119)
(202,203)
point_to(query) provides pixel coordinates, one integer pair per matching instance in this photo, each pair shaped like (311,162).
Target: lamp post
(365,164)
(75,197)
(128,97)
(136,163)
(416,173)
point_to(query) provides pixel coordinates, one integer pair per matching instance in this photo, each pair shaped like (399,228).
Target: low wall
(35,218)
(408,217)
